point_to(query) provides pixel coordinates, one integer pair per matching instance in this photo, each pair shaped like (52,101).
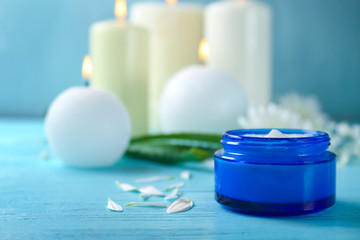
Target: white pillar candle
(120,56)
(175,32)
(239,36)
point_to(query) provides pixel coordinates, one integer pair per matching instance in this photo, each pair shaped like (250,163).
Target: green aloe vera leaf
(188,136)
(183,139)
(174,148)
(167,154)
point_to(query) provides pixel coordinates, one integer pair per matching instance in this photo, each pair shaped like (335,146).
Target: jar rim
(241,136)
(240,147)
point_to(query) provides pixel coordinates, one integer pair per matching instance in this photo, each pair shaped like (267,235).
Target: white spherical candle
(201,99)
(88,127)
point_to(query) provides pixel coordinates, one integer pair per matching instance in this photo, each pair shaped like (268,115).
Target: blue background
(42,45)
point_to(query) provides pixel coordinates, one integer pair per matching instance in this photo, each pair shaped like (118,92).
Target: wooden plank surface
(42,199)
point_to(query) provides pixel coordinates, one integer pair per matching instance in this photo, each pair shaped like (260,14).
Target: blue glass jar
(275,176)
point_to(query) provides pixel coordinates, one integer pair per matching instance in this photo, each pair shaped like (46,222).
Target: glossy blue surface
(275,183)
(42,199)
(275,171)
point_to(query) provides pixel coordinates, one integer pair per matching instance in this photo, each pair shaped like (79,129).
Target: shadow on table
(342,214)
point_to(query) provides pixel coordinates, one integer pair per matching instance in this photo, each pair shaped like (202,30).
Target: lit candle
(201,99)
(87,69)
(239,35)
(176,30)
(120,55)
(88,127)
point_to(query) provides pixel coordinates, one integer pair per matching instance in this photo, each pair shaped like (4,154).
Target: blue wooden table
(42,199)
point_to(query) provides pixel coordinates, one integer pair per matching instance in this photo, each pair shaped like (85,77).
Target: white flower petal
(345,142)
(176,185)
(126,187)
(113,206)
(151,190)
(185,175)
(154,179)
(173,195)
(343,129)
(307,107)
(146,204)
(180,205)
(355,132)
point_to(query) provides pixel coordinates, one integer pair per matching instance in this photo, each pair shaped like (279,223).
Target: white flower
(307,107)
(272,116)
(295,111)
(343,129)
(345,142)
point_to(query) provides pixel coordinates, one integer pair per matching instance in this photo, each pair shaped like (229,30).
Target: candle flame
(241,2)
(171,2)
(204,50)
(120,9)
(87,67)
